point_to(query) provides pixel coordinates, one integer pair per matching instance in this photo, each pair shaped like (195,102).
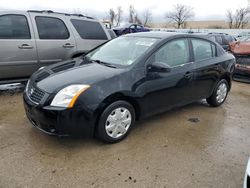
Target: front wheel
(116,122)
(220,94)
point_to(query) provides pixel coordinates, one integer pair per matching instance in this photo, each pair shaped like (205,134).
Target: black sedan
(124,80)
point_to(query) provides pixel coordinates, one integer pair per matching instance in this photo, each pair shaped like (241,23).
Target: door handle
(25,46)
(68,45)
(188,75)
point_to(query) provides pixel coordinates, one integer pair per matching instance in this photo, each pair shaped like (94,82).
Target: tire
(115,122)
(217,99)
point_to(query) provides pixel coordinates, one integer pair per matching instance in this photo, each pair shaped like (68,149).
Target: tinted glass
(14,27)
(173,53)
(229,38)
(122,50)
(51,28)
(212,38)
(132,26)
(203,49)
(112,34)
(89,29)
(218,39)
(139,27)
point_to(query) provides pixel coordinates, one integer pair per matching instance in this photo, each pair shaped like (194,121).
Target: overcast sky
(204,10)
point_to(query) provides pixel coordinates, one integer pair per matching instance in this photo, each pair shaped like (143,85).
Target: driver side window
(173,53)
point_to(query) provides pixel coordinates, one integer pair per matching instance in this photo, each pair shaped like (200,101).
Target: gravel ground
(193,146)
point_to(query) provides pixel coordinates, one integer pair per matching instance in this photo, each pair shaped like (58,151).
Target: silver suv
(34,39)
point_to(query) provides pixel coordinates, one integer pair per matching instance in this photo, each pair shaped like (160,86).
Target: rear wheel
(220,94)
(116,122)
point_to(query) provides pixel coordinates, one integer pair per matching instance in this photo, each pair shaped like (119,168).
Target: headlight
(68,96)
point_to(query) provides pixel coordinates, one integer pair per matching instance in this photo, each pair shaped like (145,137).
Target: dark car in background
(126,28)
(126,79)
(221,38)
(241,51)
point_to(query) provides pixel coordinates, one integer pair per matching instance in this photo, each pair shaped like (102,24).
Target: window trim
(27,25)
(54,18)
(211,43)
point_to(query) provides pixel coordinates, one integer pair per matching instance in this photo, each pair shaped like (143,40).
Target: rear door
(206,67)
(55,43)
(18,56)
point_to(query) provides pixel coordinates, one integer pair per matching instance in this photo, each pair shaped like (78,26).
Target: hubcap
(118,122)
(221,92)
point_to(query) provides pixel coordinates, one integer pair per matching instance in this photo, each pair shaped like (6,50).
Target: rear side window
(112,34)
(229,39)
(212,38)
(203,49)
(51,28)
(173,53)
(219,39)
(89,29)
(14,27)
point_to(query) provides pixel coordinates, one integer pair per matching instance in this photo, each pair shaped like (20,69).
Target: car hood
(55,77)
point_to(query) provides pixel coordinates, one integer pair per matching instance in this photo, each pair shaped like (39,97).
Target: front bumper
(247,176)
(59,121)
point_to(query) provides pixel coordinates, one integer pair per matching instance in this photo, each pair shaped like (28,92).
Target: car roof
(164,34)
(47,13)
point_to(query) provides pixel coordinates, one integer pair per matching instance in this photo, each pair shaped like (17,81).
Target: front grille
(243,60)
(34,93)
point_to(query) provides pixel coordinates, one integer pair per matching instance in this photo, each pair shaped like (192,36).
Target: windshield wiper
(103,63)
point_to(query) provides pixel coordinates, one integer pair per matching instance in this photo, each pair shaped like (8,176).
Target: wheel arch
(116,97)
(228,78)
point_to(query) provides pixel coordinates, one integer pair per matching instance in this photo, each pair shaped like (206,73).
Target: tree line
(178,16)
(115,16)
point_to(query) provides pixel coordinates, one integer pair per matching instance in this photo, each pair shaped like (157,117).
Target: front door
(18,56)
(165,90)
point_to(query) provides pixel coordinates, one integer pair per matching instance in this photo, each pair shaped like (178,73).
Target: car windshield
(122,51)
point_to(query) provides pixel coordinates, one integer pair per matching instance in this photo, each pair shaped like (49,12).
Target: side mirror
(158,67)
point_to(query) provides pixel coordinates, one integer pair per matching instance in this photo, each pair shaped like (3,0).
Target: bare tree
(180,15)
(147,16)
(137,19)
(131,14)
(230,18)
(240,19)
(112,16)
(119,15)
